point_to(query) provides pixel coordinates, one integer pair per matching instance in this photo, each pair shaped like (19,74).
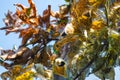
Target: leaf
(26,76)
(27,33)
(5,75)
(69,29)
(46,16)
(97,3)
(40,37)
(97,25)
(12,22)
(28,14)
(23,55)
(52,58)
(16,70)
(10,19)
(67,0)
(114,11)
(48,74)
(107,73)
(98,64)
(5,54)
(67,39)
(78,62)
(34,21)
(44,57)
(28,11)
(43,74)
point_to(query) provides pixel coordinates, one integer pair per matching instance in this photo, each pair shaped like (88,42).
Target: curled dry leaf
(28,33)
(28,14)
(13,24)
(78,47)
(44,57)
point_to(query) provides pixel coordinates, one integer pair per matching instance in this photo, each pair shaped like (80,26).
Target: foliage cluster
(86,35)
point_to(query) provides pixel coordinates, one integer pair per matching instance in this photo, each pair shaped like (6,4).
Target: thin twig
(3,28)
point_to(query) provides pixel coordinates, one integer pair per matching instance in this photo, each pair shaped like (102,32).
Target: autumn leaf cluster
(85,40)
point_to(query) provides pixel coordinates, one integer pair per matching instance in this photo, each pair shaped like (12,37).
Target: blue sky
(7,42)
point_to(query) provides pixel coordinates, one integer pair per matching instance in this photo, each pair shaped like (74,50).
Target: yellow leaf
(97,25)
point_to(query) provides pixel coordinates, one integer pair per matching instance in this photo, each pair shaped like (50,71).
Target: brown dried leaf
(28,14)
(26,34)
(46,16)
(44,57)
(23,55)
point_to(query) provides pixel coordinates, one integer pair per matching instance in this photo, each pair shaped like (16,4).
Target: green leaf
(1,61)
(55,51)
(67,0)
(28,11)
